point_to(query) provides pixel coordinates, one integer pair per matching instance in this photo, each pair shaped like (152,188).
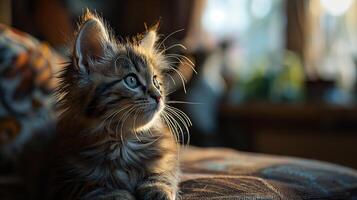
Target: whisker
(111,116)
(182,56)
(134,124)
(189,123)
(167,123)
(173,80)
(176,136)
(182,114)
(171,127)
(184,102)
(179,117)
(183,121)
(162,42)
(183,80)
(176,125)
(178,57)
(173,46)
(122,121)
(119,111)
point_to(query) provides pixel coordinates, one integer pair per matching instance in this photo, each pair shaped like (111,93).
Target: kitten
(112,142)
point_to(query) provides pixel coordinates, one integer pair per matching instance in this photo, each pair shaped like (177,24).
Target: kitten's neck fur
(87,132)
(132,158)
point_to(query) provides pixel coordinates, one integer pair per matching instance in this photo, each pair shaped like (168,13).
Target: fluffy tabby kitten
(112,143)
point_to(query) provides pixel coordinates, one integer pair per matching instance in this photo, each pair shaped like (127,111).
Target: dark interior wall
(128,17)
(55,20)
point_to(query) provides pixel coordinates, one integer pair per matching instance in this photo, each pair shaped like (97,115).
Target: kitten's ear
(92,41)
(150,38)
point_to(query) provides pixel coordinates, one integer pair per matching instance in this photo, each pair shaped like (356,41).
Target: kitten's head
(118,84)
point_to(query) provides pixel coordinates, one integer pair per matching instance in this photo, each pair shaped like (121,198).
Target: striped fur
(111,140)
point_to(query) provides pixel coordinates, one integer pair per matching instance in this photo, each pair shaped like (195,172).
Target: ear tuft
(156,26)
(87,15)
(92,40)
(150,38)
(148,42)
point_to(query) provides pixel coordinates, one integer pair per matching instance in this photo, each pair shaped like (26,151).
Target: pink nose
(158,98)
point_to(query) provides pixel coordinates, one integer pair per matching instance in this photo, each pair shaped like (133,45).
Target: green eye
(156,82)
(131,81)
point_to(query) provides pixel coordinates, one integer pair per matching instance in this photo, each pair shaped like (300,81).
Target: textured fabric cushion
(227,174)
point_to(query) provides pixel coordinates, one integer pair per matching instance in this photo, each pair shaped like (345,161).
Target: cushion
(218,173)
(26,81)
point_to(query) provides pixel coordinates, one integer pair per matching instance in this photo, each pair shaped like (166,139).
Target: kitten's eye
(156,82)
(131,81)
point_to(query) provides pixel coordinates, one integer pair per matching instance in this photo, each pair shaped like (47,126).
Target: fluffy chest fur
(115,164)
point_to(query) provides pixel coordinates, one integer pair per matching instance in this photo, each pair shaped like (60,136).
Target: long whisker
(182,118)
(111,116)
(184,102)
(171,127)
(182,113)
(121,110)
(173,80)
(122,121)
(183,80)
(126,117)
(173,46)
(189,123)
(134,124)
(176,136)
(181,62)
(178,58)
(183,121)
(182,56)
(177,126)
(169,36)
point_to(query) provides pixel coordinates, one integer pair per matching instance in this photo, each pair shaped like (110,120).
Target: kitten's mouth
(158,105)
(154,108)
(152,111)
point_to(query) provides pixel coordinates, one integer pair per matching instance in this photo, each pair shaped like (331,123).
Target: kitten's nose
(156,97)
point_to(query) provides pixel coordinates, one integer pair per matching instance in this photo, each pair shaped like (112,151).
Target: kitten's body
(111,142)
(104,166)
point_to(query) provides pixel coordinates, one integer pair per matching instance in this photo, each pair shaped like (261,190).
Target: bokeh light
(336,7)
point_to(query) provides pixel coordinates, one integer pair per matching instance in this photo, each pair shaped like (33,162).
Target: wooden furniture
(323,132)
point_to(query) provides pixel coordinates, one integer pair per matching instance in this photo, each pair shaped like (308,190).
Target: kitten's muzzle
(157,98)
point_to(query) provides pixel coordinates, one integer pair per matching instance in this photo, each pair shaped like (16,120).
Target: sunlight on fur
(116,130)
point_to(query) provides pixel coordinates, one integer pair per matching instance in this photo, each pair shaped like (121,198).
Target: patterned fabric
(229,175)
(26,71)
(26,81)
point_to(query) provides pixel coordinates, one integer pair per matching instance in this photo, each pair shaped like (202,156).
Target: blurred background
(274,76)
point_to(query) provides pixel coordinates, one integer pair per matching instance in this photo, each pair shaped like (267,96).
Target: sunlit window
(330,46)
(255,31)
